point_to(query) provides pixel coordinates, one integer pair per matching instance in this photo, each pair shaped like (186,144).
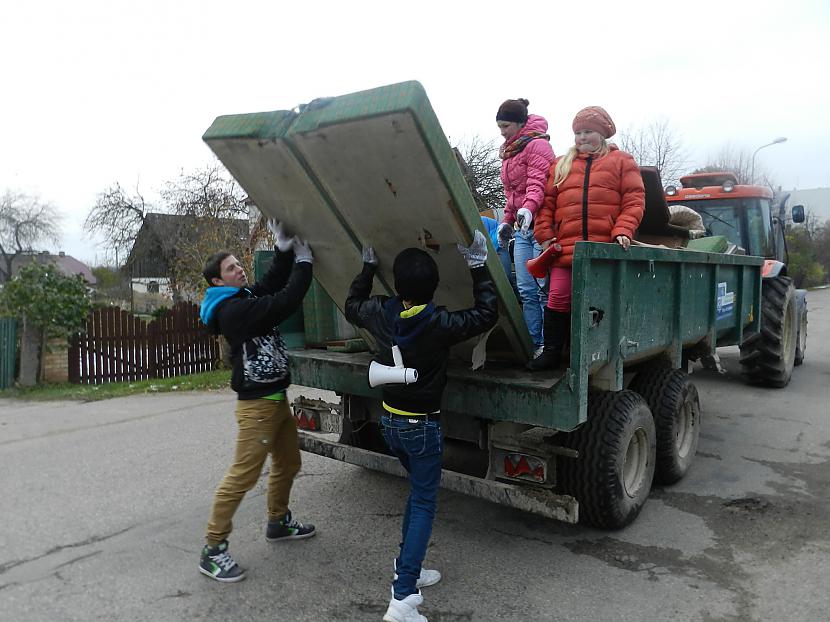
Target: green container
(292,329)
(323,320)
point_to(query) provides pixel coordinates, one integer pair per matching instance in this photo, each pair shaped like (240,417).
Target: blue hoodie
(409,324)
(492,227)
(213,296)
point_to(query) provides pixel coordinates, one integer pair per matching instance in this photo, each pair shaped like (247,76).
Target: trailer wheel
(612,476)
(768,356)
(674,402)
(358,428)
(801,345)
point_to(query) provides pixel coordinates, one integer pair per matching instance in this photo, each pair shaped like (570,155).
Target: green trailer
(582,443)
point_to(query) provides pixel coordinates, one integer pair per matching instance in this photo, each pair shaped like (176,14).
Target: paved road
(104,505)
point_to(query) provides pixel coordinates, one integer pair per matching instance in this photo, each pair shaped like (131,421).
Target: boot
(557,326)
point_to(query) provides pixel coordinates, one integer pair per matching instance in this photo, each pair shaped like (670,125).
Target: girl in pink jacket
(526,158)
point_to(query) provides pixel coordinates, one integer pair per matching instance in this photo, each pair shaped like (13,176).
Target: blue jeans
(531,291)
(418,446)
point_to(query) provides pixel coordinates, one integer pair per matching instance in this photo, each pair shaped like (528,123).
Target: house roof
(159,236)
(67,264)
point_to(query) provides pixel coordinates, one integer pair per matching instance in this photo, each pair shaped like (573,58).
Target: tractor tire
(675,405)
(801,343)
(768,356)
(612,476)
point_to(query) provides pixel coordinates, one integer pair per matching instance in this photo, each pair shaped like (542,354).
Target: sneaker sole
(227,580)
(388,618)
(304,536)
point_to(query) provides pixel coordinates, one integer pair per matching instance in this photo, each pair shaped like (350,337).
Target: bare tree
(210,213)
(481,166)
(657,144)
(737,161)
(24,220)
(209,192)
(213,215)
(118,217)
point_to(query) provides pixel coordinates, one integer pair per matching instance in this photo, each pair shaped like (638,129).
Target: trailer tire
(801,344)
(675,405)
(361,431)
(768,356)
(612,476)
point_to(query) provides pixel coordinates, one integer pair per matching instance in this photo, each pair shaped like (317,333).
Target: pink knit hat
(596,119)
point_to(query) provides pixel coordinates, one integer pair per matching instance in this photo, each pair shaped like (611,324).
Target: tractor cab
(747,215)
(753,218)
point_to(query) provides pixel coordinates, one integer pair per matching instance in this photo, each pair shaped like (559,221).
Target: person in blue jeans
(422,334)
(526,157)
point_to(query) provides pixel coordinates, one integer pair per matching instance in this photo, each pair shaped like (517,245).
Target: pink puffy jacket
(524,175)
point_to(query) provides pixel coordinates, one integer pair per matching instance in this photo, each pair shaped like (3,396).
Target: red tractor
(752,219)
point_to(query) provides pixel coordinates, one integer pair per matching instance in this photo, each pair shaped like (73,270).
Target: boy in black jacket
(424,334)
(248,318)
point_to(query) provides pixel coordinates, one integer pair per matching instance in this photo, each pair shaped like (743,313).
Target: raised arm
(458,326)
(360,306)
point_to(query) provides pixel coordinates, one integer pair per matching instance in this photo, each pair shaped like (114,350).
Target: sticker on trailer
(726,302)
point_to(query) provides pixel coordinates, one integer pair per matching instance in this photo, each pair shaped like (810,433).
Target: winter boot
(557,327)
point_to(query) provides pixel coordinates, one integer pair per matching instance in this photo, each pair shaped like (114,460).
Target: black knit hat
(513,110)
(416,275)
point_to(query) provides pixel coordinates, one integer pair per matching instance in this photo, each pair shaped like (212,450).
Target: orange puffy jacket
(600,199)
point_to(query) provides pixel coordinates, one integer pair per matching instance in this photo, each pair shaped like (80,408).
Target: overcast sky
(98,92)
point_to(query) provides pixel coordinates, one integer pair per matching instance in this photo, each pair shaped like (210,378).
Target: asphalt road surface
(103,509)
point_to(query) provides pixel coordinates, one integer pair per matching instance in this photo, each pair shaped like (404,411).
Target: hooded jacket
(424,335)
(248,319)
(524,174)
(600,199)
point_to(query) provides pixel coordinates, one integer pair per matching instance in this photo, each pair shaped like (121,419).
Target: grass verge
(207,381)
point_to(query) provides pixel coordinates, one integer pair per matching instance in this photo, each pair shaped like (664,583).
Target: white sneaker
(538,351)
(405,610)
(426,578)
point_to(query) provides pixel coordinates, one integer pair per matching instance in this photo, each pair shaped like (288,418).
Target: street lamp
(777,141)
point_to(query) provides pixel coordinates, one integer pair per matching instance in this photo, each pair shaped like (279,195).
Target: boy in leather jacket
(424,333)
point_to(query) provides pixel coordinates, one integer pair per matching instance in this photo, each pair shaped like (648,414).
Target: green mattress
(368,168)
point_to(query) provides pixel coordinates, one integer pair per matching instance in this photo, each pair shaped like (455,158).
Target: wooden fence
(8,351)
(117,346)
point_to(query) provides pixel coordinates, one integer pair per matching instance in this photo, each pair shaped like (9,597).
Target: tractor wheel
(612,476)
(674,402)
(801,345)
(768,356)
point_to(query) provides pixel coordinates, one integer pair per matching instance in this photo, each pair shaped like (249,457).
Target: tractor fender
(800,301)
(773,268)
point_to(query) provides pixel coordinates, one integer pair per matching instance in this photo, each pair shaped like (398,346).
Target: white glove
(369,256)
(524,217)
(476,253)
(302,251)
(281,237)
(504,233)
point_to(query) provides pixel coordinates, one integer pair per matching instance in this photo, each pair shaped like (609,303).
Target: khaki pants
(265,427)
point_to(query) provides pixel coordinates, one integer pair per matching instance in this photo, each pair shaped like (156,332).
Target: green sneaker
(288,529)
(216,563)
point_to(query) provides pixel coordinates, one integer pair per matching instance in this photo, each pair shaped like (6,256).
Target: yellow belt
(406,413)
